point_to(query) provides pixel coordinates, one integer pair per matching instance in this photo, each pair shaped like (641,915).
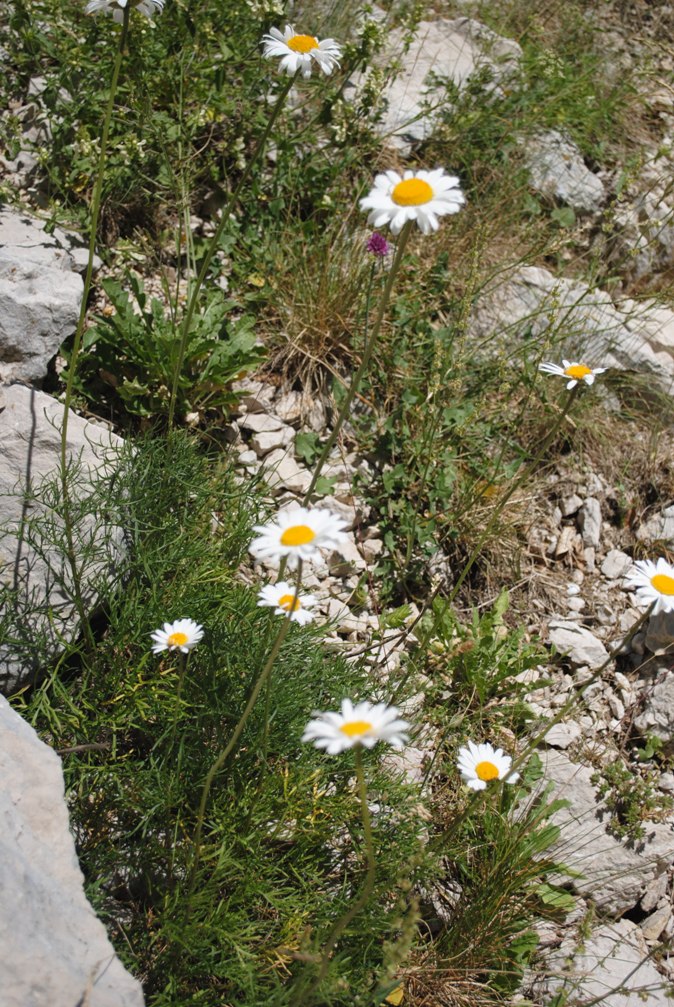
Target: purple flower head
(378,245)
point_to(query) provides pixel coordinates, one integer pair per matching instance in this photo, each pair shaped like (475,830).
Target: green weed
(128,356)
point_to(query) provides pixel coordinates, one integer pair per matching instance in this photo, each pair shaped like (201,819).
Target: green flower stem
(231,744)
(476,798)
(79,331)
(367,353)
(212,248)
(529,469)
(442,839)
(368,885)
(179,692)
(513,489)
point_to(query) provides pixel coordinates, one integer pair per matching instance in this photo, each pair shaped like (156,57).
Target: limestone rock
(281,471)
(533,303)
(255,396)
(54,949)
(563,734)
(616,564)
(660,633)
(260,423)
(642,241)
(654,924)
(34,569)
(372,549)
(39,306)
(28,241)
(569,505)
(441,50)
(657,714)
(288,407)
(659,527)
(558,172)
(613,875)
(346,558)
(410,762)
(271,440)
(611,964)
(577,643)
(589,519)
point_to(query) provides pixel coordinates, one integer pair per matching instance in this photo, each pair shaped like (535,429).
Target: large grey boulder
(40,295)
(441,52)
(557,171)
(613,875)
(54,949)
(613,964)
(38,611)
(532,304)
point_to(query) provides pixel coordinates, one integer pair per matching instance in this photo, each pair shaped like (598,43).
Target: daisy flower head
(298,534)
(478,764)
(574,371)
(116,7)
(360,724)
(301,52)
(281,597)
(182,635)
(654,582)
(421,195)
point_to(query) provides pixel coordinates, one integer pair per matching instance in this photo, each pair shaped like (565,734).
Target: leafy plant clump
(282,844)
(130,355)
(632,798)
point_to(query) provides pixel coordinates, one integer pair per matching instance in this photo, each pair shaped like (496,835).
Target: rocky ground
(576,553)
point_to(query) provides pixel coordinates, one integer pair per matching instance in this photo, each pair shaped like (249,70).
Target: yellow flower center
(289,602)
(486,771)
(578,371)
(412,192)
(663,583)
(177,639)
(298,534)
(355,727)
(302,43)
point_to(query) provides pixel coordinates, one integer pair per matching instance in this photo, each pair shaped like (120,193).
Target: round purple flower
(378,245)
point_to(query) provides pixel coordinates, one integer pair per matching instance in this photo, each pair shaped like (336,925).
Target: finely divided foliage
(231,860)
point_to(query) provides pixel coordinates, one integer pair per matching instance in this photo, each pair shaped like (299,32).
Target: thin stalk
(476,798)
(573,700)
(231,744)
(79,331)
(212,248)
(179,692)
(368,885)
(367,353)
(489,527)
(513,489)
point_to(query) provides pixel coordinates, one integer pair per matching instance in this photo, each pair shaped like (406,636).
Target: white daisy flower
(417,195)
(182,635)
(478,764)
(281,596)
(298,534)
(574,371)
(301,52)
(654,582)
(116,7)
(362,724)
